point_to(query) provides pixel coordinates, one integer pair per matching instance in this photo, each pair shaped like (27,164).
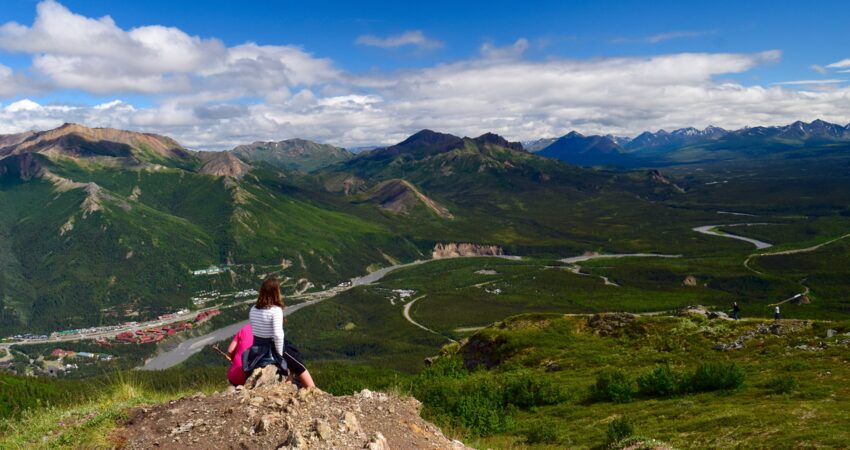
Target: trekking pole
(215,347)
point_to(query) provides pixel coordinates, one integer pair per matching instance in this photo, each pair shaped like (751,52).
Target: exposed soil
(278,415)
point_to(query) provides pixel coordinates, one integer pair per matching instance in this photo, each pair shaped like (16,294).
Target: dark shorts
(293,358)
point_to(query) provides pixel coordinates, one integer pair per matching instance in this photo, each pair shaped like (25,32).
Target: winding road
(189,347)
(711,231)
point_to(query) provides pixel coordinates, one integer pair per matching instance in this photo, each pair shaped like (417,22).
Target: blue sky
(356,73)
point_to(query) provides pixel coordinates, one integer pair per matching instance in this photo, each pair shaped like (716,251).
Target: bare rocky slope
(273,415)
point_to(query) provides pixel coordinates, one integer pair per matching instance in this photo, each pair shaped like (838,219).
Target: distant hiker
(736,311)
(243,340)
(269,346)
(776,315)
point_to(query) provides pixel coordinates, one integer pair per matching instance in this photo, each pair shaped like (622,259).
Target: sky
(214,74)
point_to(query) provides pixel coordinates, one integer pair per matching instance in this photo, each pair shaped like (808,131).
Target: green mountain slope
(117,237)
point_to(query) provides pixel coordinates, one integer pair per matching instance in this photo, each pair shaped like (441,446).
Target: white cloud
(808,82)
(217,96)
(97,56)
(819,69)
(414,37)
(513,51)
(23,105)
(663,37)
(844,63)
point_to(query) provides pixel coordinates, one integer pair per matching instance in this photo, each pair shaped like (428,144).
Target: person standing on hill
(266,318)
(736,311)
(776,315)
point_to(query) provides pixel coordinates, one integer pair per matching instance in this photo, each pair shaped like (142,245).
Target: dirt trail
(790,252)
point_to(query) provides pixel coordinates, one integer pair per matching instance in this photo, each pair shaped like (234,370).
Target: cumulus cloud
(223,96)
(414,37)
(98,56)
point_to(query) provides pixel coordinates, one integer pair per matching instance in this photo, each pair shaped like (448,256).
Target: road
(188,348)
(709,230)
(582,258)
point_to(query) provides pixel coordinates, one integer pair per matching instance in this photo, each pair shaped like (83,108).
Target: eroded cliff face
(454,250)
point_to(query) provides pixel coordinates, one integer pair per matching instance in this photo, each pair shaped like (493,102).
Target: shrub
(620,429)
(481,408)
(527,389)
(476,404)
(542,433)
(716,376)
(661,382)
(613,386)
(444,368)
(783,385)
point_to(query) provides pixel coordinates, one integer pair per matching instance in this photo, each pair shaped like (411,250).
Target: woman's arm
(277,327)
(231,350)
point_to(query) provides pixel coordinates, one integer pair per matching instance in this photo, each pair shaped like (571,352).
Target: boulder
(266,376)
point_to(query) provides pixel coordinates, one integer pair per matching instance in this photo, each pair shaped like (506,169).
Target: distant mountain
(538,144)
(76,141)
(690,145)
(293,154)
(576,148)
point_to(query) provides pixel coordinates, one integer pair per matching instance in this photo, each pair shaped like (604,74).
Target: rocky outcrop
(402,197)
(24,167)
(611,324)
(224,164)
(702,311)
(276,415)
(784,328)
(656,176)
(454,250)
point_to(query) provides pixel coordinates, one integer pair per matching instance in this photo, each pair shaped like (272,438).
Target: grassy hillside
(585,381)
(545,381)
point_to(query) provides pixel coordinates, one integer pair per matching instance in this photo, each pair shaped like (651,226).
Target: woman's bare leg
(306,380)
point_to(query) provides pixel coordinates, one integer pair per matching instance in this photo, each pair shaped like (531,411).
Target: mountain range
(690,145)
(99,226)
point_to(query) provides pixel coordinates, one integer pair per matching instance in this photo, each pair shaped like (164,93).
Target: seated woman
(268,345)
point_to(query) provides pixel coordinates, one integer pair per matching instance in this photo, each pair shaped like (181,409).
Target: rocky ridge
(454,250)
(267,414)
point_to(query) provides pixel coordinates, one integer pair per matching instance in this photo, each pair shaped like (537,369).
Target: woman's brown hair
(269,294)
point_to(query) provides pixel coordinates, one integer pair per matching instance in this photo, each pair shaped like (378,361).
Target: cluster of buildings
(211,270)
(90,330)
(154,334)
(30,337)
(206,315)
(157,334)
(58,352)
(246,293)
(205,296)
(62,366)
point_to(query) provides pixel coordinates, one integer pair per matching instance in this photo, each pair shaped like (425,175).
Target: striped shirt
(268,323)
